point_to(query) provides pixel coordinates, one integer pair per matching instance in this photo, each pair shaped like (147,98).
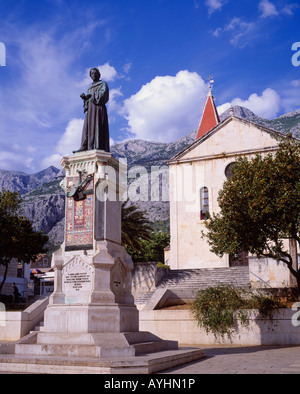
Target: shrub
(217,308)
(163,266)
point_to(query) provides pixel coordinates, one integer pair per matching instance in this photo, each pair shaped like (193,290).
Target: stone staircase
(184,283)
(39,327)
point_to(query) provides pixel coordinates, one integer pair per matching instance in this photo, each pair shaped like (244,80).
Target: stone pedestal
(92,293)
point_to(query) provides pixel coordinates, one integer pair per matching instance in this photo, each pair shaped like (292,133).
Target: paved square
(244,360)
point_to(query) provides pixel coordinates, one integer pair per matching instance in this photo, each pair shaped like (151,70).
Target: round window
(229,169)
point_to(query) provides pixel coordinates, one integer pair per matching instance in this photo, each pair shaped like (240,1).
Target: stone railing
(15,325)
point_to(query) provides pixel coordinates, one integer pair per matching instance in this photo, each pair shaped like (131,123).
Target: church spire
(210,117)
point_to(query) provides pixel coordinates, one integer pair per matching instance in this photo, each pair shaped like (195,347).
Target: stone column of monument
(92,292)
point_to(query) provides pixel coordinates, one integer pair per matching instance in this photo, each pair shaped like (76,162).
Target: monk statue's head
(95,74)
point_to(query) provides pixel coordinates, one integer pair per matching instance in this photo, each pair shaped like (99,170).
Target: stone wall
(145,277)
(15,325)
(180,325)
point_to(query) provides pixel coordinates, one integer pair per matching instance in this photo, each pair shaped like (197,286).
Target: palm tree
(135,227)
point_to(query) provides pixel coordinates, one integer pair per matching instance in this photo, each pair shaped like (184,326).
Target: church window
(204,203)
(228,170)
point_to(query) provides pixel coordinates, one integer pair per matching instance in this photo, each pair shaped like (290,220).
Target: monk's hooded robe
(95,133)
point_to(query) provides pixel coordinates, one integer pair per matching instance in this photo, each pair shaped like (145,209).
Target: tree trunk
(4,275)
(295,280)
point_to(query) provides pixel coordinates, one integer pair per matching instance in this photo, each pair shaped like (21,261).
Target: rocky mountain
(44,200)
(147,153)
(44,206)
(23,183)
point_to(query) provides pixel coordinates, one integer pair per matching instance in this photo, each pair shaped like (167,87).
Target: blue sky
(155,55)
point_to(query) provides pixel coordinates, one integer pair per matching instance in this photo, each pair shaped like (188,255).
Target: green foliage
(163,266)
(135,227)
(216,308)
(264,304)
(259,206)
(161,225)
(152,249)
(138,237)
(18,239)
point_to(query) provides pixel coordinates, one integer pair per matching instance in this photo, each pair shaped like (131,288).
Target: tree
(260,207)
(135,227)
(17,238)
(152,248)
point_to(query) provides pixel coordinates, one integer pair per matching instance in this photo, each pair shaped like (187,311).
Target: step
(186,283)
(144,298)
(39,328)
(56,350)
(144,364)
(154,346)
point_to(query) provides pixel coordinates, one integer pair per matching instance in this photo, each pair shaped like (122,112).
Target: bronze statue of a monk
(95,132)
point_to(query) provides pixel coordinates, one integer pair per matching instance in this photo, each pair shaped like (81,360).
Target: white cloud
(267,105)
(295,83)
(108,73)
(44,95)
(127,67)
(166,108)
(113,105)
(288,9)
(239,31)
(290,95)
(267,9)
(68,142)
(214,5)
(223,107)
(11,160)
(217,32)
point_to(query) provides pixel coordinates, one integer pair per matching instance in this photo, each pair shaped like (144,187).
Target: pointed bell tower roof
(210,117)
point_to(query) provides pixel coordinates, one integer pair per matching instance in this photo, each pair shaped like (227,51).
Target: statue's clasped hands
(85,97)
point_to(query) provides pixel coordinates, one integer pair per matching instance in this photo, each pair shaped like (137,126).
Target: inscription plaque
(77,276)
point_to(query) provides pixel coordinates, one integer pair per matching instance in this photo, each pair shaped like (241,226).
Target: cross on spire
(210,80)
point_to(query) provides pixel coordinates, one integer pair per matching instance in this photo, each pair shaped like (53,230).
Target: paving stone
(244,360)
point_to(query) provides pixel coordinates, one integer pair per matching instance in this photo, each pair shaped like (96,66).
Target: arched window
(228,170)
(204,203)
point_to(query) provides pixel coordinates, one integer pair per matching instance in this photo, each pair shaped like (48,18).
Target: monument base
(91,323)
(101,318)
(96,345)
(141,364)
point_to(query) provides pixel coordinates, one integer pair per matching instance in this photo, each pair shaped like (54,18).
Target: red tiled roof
(210,117)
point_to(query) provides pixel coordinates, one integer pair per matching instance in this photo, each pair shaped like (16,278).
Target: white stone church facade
(196,176)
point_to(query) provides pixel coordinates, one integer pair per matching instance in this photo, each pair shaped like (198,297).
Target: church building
(196,176)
